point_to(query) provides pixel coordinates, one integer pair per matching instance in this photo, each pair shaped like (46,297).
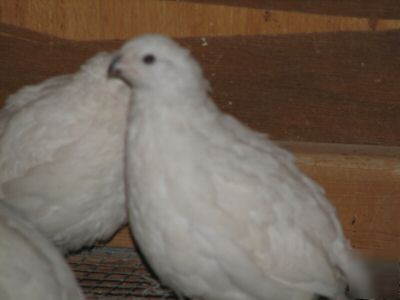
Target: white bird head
(156,62)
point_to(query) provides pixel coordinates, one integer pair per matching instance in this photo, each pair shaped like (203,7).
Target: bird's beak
(113,69)
(116,70)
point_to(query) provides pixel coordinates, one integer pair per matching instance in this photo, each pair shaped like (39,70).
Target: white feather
(31,267)
(61,154)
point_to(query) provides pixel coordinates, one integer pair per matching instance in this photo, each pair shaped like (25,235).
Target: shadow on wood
(353,8)
(334,87)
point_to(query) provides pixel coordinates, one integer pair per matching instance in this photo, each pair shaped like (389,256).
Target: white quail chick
(61,154)
(219,211)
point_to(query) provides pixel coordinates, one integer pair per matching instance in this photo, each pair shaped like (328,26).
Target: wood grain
(122,239)
(354,8)
(335,88)
(363,182)
(121,19)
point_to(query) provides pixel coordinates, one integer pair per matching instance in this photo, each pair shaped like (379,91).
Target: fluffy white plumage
(219,211)
(31,267)
(61,154)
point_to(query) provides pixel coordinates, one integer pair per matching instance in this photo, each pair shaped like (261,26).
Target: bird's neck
(175,102)
(157,114)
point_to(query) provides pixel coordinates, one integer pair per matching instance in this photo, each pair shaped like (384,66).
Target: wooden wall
(321,72)
(122,19)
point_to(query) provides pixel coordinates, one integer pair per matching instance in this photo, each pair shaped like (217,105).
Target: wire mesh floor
(118,273)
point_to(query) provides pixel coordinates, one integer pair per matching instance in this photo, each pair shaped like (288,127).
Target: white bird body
(31,267)
(61,155)
(219,211)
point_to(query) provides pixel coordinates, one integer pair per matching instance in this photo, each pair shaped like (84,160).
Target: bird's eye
(149,59)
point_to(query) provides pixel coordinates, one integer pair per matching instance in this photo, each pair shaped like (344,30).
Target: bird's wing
(287,223)
(29,94)
(32,93)
(39,128)
(264,158)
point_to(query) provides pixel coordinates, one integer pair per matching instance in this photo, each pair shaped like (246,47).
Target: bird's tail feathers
(355,271)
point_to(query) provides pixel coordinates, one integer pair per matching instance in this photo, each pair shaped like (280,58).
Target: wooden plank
(334,88)
(121,19)
(363,182)
(337,87)
(123,239)
(354,8)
